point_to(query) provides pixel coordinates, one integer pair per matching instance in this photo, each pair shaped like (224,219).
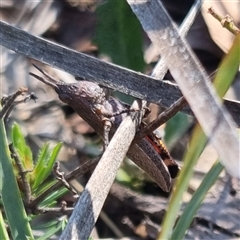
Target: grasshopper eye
(64,97)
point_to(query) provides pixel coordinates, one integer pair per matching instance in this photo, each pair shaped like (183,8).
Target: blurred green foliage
(176,128)
(119,34)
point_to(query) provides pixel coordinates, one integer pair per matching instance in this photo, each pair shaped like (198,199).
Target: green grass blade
(44,186)
(192,207)
(196,147)
(54,228)
(47,202)
(21,147)
(41,161)
(52,159)
(11,198)
(50,232)
(3,230)
(45,165)
(228,68)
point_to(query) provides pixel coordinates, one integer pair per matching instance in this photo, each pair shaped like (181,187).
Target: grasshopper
(104,114)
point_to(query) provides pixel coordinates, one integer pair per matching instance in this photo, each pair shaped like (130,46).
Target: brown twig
(60,176)
(7,101)
(31,96)
(63,209)
(162,118)
(23,174)
(70,176)
(226,22)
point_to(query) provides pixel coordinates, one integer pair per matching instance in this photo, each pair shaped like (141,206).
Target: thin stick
(31,96)
(60,176)
(226,21)
(161,119)
(8,101)
(23,174)
(63,209)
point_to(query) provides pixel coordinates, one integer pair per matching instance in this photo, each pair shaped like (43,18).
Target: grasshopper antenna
(48,80)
